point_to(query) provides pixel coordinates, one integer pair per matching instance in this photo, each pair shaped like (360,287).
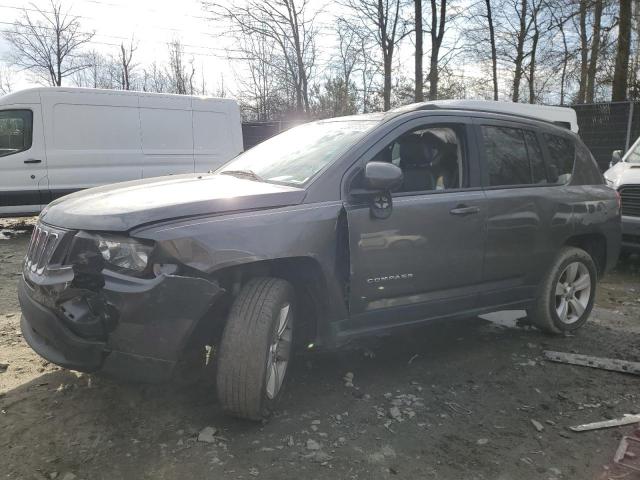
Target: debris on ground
(348,379)
(313,445)
(537,425)
(208,435)
(3,367)
(618,422)
(628,453)
(612,364)
(482,441)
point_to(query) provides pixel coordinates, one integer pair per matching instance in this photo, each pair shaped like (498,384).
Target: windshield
(634,153)
(295,156)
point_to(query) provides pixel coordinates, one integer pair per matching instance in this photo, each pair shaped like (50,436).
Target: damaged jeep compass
(331,230)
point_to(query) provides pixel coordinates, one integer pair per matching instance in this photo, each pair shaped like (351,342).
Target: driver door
(23,170)
(425,259)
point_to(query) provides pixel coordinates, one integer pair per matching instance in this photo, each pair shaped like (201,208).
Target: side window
(16,128)
(431,158)
(561,157)
(514,156)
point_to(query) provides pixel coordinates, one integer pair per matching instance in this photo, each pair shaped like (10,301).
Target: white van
(54,141)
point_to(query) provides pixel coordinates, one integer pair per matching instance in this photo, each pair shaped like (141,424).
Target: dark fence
(605,127)
(255,132)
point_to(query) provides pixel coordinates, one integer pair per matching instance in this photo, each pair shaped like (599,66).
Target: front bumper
(631,233)
(148,326)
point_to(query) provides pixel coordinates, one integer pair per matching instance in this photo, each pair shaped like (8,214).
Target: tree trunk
(532,63)
(517,74)
(388,56)
(584,52)
(436,43)
(595,51)
(494,54)
(621,72)
(565,61)
(419,93)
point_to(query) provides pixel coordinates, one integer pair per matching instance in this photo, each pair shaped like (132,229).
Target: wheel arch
(595,244)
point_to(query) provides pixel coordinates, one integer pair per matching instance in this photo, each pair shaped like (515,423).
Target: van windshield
(295,156)
(634,153)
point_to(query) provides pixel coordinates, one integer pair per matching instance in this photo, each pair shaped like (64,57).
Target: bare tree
(494,54)
(595,51)
(419,81)
(125,61)
(48,43)
(287,23)
(621,73)
(383,22)
(437,29)
(6,80)
(155,79)
(180,73)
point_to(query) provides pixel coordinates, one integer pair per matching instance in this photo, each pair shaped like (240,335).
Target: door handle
(464,210)
(33,160)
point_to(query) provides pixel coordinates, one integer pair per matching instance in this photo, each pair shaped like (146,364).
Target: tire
(558,291)
(255,346)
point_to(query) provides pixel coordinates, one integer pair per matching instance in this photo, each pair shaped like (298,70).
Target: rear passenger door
(527,211)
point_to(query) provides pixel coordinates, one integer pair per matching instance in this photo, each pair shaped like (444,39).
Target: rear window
(561,157)
(513,155)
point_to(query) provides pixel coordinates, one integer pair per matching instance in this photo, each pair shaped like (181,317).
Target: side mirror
(382,176)
(616,156)
(380,179)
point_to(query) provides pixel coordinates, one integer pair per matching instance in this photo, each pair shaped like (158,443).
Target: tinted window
(15,131)
(561,157)
(430,158)
(507,157)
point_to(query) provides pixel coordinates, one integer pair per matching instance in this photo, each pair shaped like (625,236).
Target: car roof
(560,116)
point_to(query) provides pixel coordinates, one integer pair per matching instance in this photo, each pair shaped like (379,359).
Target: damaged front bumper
(130,328)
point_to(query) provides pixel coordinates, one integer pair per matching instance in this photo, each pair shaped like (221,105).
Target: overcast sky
(153,22)
(156,22)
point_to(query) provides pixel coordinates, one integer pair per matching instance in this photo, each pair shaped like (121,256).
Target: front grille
(45,242)
(630,197)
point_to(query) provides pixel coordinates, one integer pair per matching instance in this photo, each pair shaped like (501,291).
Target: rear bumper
(154,322)
(631,233)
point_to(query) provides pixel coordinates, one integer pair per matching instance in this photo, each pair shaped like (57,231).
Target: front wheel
(255,348)
(566,295)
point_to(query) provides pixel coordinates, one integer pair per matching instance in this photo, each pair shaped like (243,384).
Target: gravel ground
(469,399)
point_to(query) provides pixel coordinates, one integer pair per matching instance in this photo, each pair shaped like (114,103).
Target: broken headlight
(116,253)
(123,253)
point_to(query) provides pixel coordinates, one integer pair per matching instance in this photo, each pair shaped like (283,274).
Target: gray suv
(329,231)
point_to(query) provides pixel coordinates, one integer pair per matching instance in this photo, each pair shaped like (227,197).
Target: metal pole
(629,122)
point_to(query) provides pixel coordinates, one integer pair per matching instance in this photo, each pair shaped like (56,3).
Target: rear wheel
(566,295)
(255,348)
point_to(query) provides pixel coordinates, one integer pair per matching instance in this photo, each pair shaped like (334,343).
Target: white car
(54,141)
(624,176)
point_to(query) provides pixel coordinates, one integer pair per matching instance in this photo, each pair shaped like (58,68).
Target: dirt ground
(466,393)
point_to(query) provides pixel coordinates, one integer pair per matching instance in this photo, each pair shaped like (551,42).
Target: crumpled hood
(623,173)
(123,206)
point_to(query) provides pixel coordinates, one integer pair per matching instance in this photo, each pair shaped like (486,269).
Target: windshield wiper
(250,174)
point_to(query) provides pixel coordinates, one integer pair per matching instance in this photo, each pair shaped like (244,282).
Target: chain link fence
(608,126)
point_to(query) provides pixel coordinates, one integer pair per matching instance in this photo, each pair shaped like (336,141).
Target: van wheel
(567,293)
(255,348)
